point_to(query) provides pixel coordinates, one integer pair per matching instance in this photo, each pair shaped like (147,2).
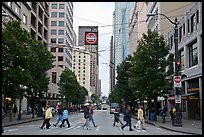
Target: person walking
(117,117)
(172,114)
(48,116)
(86,116)
(140,117)
(91,114)
(15,109)
(65,118)
(127,118)
(60,115)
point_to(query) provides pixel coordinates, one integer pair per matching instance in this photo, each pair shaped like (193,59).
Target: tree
(68,86)
(16,55)
(149,75)
(24,62)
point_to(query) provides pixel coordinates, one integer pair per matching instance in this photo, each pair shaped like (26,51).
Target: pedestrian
(127,118)
(172,113)
(65,118)
(86,116)
(48,116)
(117,117)
(91,115)
(15,109)
(60,115)
(140,117)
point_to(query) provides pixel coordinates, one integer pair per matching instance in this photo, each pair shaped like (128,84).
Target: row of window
(54,40)
(54,23)
(53,49)
(54,32)
(54,14)
(192,55)
(54,6)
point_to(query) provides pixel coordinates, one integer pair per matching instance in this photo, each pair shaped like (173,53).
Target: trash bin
(152,116)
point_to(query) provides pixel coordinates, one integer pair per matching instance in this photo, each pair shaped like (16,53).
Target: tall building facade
(137,25)
(61,40)
(190,58)
(94,59)
(121,20)
(189,48)
(171,9)
(81,66)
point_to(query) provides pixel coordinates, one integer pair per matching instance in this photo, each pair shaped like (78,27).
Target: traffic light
(178,65)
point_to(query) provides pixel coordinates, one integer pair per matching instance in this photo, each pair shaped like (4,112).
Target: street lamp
(177,121)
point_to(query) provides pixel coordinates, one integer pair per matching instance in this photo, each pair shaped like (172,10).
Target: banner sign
(91,38)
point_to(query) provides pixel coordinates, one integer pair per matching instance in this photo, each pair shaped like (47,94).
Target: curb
(21,122)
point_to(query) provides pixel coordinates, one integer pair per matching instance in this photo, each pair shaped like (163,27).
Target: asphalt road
(103,120)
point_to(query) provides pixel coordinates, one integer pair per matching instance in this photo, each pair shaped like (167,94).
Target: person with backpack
(86,116)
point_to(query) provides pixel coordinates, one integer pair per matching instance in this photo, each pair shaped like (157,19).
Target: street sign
(177,98)
(177,81)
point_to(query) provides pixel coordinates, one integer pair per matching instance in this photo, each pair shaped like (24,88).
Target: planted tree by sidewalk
(69,86)
(149,69)
(24,62)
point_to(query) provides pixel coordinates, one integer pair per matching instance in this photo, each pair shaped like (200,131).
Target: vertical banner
(91,38)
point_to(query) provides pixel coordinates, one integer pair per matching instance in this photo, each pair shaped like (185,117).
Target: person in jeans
(91,114)
(65,118)
(127,118)
(86,116)
(60,117)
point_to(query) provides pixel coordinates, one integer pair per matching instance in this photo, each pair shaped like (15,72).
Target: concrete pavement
(188,126)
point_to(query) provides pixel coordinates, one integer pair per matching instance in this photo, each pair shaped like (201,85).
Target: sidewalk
(188,126)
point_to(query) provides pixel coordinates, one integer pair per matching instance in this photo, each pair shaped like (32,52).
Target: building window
(60,58)
(61,32)
(25,19)
(53,40)
(53,49)
(54,14)
(60,49)
(61,23)
(17,10)
(193,53)
(54,6)
(181,59)
(184,27)
(197,16)
(61,6)
(54,77)
(53,32)
(61,14)
(60,40)
(180,34)
(188,25)
(60,66)
(192,22)
(9,4)
(53,23)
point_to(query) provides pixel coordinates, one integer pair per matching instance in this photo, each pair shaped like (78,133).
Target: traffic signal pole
(177,121)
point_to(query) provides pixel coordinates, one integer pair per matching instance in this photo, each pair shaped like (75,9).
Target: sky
(97,14)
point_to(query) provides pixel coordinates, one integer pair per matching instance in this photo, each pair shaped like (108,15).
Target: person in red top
(91,114)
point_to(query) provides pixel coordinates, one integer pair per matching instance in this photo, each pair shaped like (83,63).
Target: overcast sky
(97,14)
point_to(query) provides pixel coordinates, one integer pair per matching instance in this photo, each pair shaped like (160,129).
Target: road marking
(10,130)
(159,128)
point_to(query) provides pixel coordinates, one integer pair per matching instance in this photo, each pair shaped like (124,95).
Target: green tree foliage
(70,88)
(16,55)
(151,67)
(24,62)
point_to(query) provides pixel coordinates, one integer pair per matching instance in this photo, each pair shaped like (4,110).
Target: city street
(103,119)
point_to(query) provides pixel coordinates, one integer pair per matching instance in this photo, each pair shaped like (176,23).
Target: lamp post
(177,121)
